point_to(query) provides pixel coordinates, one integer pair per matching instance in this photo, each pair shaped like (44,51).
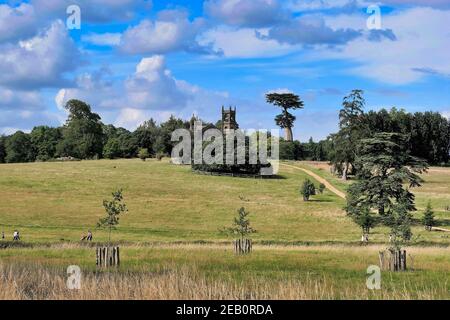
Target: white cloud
(17,22)
(13,120)
(20,100)
(150,87)
(172,31)
(40,61)
(244,43)
(424,3)
(103,39)
(318,5)
(421,47)
(153,87)
(310,30)
(93,11)
(151,91)
(246,13)
(132,118)
(279,91)
(446,114)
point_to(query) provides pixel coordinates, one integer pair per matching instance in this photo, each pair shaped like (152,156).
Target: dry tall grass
(25,282)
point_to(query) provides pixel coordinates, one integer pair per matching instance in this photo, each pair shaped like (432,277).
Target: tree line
(84,136)
(427,135)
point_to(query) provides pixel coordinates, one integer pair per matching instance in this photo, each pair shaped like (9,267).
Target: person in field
(88,237)
(16,236)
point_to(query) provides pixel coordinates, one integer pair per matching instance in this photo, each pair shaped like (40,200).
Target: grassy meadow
(170,236)
(214,272)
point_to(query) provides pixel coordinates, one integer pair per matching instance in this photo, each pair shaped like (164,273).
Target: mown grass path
(319,179)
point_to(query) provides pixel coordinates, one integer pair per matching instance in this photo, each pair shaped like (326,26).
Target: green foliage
(111,150)
(241,225)
(428,217)
(365,219)
(2,149)
(322,188)
(427,133)
(146,135)
(399,220)
(352,129)
(19,148)
(290,150)
(307,189)
(45,140)
(114,209)
(384,165)
(143,154)
(235,168)
(83,132)
(286,101)
(120,143)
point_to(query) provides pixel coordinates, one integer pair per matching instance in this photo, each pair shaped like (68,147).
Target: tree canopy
(286,101)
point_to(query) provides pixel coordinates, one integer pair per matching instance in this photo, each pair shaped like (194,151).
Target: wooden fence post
(393,260)
(243,246)
(107,257)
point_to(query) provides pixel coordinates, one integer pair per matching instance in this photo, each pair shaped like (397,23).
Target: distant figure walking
(16,236)
(88,237)
(3,235)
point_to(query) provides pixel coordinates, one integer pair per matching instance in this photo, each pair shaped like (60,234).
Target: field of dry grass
(304,250)
(213,272)
(18,283)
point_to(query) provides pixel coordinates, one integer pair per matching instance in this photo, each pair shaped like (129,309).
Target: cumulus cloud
(14,120)
(279,91)
(26,19)
(40,61)
(151,91)
(153,87)
(103,39)
(150,87)
(93,11)
(424,3)
(320,5)
(246,13)
(20,100)
(244,43)
(310,31)
(17,23)
(93,88)
(420,50)
(172,31)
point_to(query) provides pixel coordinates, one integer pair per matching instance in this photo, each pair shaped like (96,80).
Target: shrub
(321,188)
(428,217)
(143,154)
(307,189)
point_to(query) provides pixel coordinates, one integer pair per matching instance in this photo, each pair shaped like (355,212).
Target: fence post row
(243,246)
(393,260)
(107,257)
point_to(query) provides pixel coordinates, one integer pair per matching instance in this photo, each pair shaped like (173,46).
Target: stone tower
(229,119)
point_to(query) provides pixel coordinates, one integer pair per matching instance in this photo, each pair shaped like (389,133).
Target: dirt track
(319,179)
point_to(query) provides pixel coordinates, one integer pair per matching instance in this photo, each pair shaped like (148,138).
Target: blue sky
(137,59)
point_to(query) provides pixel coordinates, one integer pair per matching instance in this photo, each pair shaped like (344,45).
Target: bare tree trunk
(345,171)
(288,134)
